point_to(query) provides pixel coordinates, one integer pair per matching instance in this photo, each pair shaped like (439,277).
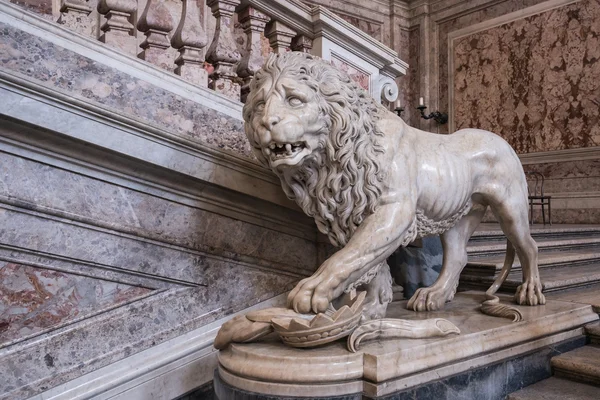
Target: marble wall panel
(358,76)
(94,201)
(31,367)
(575,188)
(534,81)
(408,85)
(373,29)
(58,237)
(370,17)
(454,23)
(63,70)
(33,300)
(569,176)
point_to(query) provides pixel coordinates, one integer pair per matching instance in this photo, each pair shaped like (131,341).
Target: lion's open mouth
(286,153)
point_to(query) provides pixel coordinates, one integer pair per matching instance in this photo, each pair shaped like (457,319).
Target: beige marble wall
(534,81)
(529,71)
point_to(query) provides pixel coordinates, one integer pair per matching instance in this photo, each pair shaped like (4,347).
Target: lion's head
(317,130)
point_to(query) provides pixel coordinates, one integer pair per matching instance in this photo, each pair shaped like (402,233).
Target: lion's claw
(314,293)
(530,293)
(427,299)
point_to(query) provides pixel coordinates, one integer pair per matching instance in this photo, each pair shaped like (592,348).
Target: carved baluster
(223,53)
(280,36)
(302,43)
(118,29)
(75,15)
(190,39)
(156,23)
(253,22)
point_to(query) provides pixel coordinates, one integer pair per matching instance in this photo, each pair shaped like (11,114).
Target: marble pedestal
(268,369)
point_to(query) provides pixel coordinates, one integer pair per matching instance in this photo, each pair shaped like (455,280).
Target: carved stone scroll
(156,23)
(302,43)
(253,22)
(280,36)
(118,29)
(223,53)
(76,15)
(190,39)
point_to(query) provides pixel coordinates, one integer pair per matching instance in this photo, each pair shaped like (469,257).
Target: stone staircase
(576,374)
(569,260)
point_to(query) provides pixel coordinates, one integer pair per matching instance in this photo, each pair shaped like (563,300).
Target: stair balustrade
(156,22)
(225,58)
(190,39)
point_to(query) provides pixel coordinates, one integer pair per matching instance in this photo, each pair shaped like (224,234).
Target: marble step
(593,332)
(589,294)
(495,248)
(492,232)
(582,365)
(489,266)
(553,279)
(557,389)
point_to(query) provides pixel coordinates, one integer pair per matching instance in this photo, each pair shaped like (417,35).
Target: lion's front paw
(315,293)
(428,299)
(530,293)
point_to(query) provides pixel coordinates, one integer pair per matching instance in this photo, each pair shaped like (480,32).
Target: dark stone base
(204,392)
(492,382)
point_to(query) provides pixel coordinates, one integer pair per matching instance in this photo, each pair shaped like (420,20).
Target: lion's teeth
(279,145)
(288,147)
(272,146)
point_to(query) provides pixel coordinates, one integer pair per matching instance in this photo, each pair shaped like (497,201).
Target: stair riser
(489,271)
(511,287)
(575,376)
(538,235)
(541,249)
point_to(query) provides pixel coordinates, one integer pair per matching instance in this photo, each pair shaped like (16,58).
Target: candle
(420,101)
(397,104)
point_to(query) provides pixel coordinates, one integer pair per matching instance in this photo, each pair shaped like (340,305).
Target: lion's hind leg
(454,243)
(513,218)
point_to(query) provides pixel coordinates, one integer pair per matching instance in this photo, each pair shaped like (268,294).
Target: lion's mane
(339,184)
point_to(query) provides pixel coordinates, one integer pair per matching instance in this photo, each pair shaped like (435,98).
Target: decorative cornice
(507,18)
(557,156)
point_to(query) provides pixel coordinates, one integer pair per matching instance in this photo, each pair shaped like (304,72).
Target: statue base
(268,369)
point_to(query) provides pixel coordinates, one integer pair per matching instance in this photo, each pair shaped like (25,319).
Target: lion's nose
(270,121)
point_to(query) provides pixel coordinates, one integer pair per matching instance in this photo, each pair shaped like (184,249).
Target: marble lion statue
(372,184)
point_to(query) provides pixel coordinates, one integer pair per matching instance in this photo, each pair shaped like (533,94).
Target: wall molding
(557,156)
(483,26)
(39,126)
(216,255)
(167,370)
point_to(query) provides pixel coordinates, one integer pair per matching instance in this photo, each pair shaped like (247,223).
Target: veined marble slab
(384,367)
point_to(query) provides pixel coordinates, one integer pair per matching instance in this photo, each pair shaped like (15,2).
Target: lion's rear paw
(530,293)
(428,299)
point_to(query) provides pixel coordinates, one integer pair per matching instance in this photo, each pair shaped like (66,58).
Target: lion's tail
(491,306)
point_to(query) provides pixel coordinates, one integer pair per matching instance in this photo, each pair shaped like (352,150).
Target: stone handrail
(177,36)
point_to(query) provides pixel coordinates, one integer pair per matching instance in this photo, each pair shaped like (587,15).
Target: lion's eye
(260,106)
(295,101)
